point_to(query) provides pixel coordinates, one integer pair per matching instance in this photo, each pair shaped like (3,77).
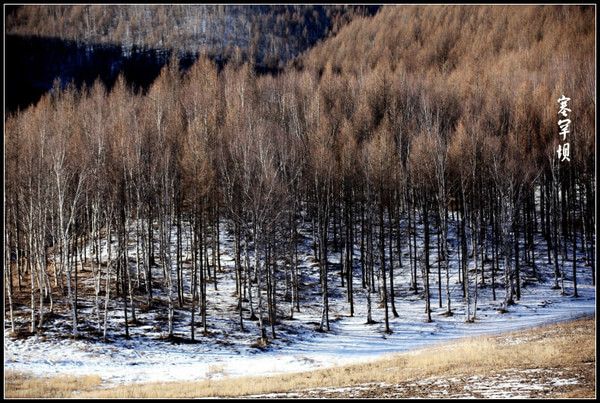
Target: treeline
(366,155)
(267,35)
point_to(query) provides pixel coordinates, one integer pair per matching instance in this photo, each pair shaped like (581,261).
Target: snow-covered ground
(227,351)
(504,384)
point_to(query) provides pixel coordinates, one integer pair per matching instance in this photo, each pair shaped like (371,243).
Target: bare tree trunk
(149,256)
(30,257)
(349,244)
(382,267)
(8,278)
(194,253)
(426,260)
(262,330)
(238,272)
(363,258)
(517,254)
(369,267)
(248,277)
(323,262)
(179,258)
(108,273)
(413,277)
(391,247)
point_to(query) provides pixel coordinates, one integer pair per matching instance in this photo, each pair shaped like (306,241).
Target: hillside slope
(495,70)
(269,35)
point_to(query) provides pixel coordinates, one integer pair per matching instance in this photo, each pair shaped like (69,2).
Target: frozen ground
(501,385)
(227,351)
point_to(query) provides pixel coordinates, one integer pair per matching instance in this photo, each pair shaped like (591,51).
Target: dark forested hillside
(424,149)
(85,42)
(268,35)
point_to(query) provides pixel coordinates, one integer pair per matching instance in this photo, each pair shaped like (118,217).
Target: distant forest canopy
(267,35)
(416,114)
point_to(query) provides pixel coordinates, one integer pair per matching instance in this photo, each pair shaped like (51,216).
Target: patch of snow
(227,351)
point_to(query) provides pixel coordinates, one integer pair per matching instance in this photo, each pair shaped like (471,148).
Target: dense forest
(431,119)
(266,35)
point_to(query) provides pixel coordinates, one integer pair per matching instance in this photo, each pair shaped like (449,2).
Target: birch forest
(420,140)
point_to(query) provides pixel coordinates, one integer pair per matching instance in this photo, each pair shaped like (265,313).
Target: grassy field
(551,361)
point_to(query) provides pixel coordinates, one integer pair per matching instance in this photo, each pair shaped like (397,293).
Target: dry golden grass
(20,385)
(578,393)
(557,346)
